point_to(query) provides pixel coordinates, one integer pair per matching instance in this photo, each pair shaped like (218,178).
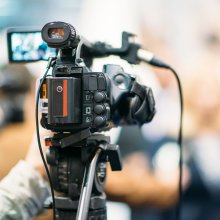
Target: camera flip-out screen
(27,47)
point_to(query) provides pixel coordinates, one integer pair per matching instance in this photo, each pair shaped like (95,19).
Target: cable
(179,141)
(39,141)
(151,59)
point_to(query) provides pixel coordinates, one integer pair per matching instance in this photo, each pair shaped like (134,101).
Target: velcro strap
(74,138)
(139,90)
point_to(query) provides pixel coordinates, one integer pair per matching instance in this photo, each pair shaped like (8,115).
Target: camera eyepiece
(60,35)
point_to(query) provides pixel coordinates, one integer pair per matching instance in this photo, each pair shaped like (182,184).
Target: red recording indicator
(65,99)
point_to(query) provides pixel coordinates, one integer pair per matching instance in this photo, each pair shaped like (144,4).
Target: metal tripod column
(84,200)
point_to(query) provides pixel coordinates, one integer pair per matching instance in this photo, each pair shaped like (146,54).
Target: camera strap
(142,104)
(74,138)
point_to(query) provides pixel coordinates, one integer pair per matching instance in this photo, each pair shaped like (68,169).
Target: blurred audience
(202,134)
(137,184)
(22,185)
(14,85)
(17,125)
(201,144)
(148,182)
(24,190)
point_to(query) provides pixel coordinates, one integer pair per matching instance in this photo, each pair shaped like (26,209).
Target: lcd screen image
(29,47)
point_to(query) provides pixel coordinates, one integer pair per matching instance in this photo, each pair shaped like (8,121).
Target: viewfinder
(56,33)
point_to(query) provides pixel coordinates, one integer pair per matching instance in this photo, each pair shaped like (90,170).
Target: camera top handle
(128,50)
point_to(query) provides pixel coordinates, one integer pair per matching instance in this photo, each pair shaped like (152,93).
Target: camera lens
(56,33)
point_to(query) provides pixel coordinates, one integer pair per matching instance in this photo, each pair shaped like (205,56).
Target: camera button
(87,110)
(101,83)
(92,83)
(88,119)
(88,97)
(99,97)
(108,112)
(99,109)
(99,121)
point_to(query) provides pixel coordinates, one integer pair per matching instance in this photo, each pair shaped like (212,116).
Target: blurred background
(184,33)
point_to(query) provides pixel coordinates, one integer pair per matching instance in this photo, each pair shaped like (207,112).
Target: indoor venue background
(185,34)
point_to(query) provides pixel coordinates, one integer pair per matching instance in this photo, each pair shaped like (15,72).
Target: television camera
(77,104)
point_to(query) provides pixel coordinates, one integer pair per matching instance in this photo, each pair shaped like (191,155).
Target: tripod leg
(83,207)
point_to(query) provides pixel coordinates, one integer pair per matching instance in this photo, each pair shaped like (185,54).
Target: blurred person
(201,199)
(148,186)
(24,190)
(22,185)
(138,184)
(15,85)
(202,130)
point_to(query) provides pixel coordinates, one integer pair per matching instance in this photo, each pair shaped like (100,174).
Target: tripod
(78,171)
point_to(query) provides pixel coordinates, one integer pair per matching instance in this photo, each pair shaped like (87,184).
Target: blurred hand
(33,156)
(138,186)
(166,166)
(171,177)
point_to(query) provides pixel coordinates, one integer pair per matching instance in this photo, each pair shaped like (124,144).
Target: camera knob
(99,121)
(99,109)
(99,97)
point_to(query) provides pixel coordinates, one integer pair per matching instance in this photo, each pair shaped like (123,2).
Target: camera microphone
(147,56)
(130,51)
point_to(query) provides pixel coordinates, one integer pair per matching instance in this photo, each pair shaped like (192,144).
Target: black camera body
(76,100)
